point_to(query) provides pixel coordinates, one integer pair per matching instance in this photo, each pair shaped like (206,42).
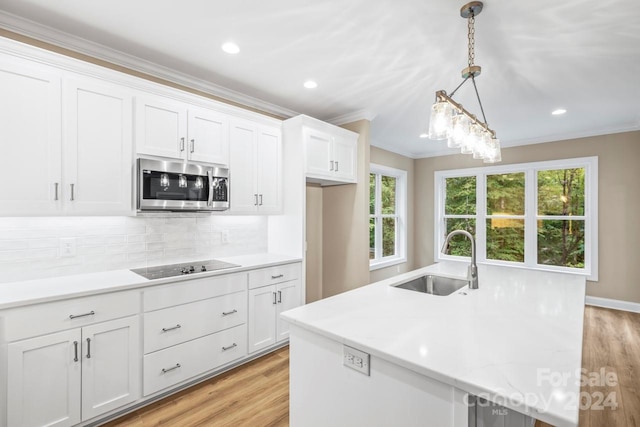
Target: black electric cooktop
(171,270)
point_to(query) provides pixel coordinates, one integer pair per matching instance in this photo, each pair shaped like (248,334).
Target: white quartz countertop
(16,294)
(506,341)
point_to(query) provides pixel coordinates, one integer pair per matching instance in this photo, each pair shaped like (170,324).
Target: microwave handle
(210,177)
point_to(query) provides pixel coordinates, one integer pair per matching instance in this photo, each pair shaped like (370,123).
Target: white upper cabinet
(97,148)
(208,139)
(161,126)
(255,167)
(174,129)
(31,137)
(331,152)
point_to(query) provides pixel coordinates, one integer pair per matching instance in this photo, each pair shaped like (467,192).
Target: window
(537,215)
(387,216)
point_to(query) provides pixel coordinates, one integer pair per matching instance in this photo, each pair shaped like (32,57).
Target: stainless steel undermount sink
(435,285)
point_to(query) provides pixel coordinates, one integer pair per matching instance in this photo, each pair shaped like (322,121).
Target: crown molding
(65,40)
(353,117)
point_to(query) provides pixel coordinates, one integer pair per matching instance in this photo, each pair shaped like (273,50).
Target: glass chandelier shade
(440,122)
(459,130)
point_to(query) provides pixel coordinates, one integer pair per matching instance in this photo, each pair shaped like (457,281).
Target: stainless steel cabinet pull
(172,328)
(75,316)
(260,200)
(336,166)
(72,192)
(55,184)
(280,296)
(230,347)
(181,144)
(193,145)
(88,348)
(331,161)
(75,351)
(278,276)
(275,301)
(226,313)
(256,203)
(164,371)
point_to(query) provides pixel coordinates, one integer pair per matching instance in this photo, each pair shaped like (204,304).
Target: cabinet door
(242,150)
(208,136)
(345,159)
(97,149)
(288,298)
(262,317)
(318,153)
(110,365)
(30,135)
(161,127)
(43,379)
(269,170)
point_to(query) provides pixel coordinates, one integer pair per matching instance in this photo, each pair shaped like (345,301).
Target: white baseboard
(613,303)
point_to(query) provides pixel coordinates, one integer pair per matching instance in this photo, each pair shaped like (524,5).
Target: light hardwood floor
(257,394)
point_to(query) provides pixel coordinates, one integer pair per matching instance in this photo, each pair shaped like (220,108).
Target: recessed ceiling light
(559,112)
(424,135)
(231,48)
(310,84)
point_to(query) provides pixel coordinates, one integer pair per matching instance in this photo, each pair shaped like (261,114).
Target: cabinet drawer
(168,367)
(40,319)
(175,325)
(273,275)
(193,290)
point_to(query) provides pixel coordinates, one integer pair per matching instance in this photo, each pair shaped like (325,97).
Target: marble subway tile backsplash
(31,248)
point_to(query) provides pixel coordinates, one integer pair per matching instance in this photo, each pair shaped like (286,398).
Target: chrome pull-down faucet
(472,270)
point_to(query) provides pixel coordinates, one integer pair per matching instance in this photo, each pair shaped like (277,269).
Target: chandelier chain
(472,38)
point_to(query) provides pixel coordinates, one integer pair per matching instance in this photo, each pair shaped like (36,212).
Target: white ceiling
(387,58)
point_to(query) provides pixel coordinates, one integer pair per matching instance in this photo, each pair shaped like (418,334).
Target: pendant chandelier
(449,119)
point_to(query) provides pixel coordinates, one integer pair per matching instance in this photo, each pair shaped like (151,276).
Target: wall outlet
(224,235)
(68,247)
(356,359)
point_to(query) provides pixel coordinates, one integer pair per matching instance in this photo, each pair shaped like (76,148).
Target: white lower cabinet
(168,367)
(67,377)
(265,305)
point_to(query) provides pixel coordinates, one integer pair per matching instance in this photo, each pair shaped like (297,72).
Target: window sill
(588,276)
(386,263)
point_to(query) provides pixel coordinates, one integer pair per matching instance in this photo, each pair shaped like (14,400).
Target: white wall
(29,247)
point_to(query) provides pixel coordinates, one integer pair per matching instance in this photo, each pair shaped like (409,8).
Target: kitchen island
(421,359)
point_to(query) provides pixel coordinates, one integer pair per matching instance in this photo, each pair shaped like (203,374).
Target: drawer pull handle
(234,345)
(75,351)
(279,276)
(164,371)
(75,316)
(226,313)
(280,296)
(88,348)
(178,326)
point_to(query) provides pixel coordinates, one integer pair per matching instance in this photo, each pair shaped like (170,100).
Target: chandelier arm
(459,86)
(473,80)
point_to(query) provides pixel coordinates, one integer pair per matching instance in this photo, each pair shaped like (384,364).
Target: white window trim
(531,208)
(401,213)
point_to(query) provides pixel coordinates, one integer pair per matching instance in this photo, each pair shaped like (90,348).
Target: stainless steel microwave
(177,186)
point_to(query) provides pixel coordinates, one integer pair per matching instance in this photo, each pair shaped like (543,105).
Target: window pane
(388,236)
(388,194)
(372,194)
(372,238)
(460,245)
(561,242)
(505,194)
(505,239)
(561,192)
(460,196)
